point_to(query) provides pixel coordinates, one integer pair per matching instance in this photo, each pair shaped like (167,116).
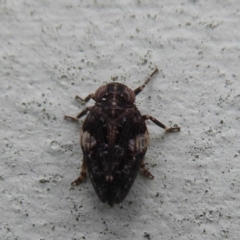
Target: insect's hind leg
(81,114)
(145,171)
(140,88)
(83,174)
(173,129)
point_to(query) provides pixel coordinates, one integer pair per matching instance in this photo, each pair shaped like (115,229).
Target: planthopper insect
(114,140)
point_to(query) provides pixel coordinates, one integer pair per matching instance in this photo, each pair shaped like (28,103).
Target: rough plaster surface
(51,51)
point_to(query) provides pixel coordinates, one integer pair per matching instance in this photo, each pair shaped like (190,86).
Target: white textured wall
(52,50)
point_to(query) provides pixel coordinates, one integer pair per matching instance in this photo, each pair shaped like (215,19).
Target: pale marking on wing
(141,142)
(131,145)
(87,141)
(109,178)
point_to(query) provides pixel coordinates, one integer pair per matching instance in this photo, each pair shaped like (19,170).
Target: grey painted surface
(52,51)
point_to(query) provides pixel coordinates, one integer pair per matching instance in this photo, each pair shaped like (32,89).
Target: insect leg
(84,111)
(173,129)
(82,176)
(145,171)
(86,99)
(140,88)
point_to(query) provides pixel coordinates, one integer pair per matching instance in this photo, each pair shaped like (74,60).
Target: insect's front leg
(81,114)
(140,88)
(86,99)
(83,174)
(173,129)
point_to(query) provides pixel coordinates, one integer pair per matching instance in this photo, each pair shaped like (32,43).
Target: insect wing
(128,155)
(113,167)
(95,152)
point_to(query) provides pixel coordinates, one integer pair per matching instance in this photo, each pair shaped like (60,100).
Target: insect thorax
(115,94)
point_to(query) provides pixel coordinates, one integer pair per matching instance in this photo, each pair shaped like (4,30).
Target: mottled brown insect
(114,140)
